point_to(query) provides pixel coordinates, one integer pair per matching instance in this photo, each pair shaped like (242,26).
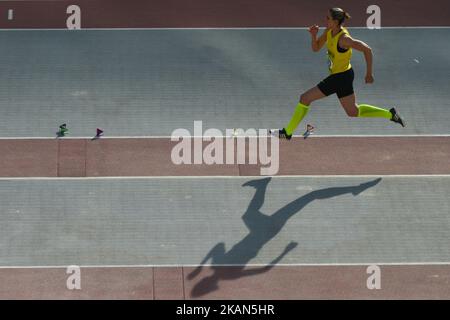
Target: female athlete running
(340,81)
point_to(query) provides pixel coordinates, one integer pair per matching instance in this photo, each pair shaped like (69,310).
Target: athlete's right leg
(311,95)
(302,109)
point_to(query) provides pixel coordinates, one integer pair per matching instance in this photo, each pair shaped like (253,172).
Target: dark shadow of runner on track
(262,229)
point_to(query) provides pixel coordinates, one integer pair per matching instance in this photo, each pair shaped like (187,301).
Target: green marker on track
(63,130)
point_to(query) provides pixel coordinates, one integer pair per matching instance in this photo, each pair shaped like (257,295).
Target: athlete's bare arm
(317,44)
(348,42)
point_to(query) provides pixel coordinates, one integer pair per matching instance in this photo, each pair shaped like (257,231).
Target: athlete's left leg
(363,110)
(349,105)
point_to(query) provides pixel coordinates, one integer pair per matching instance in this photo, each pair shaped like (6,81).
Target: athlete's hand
(369,78)
(313,30)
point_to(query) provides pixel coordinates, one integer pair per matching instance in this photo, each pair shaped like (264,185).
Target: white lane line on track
(235,265)
(222,177)
(169,137)
(215,28)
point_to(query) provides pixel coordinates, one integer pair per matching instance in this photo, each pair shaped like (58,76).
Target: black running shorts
(339,83)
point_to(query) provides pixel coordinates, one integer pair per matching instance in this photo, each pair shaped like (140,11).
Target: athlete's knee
(305,99)
(352,112)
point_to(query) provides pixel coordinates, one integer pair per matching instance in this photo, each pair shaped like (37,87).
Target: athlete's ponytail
(346,15)
(339,15)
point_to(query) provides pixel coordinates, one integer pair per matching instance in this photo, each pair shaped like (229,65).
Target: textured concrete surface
(151,82)
(224,221)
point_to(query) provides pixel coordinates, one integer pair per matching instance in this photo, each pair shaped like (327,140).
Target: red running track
(217,13)
(152,157)
(293,282)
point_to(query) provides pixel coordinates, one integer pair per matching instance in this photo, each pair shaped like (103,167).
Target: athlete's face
(330,22)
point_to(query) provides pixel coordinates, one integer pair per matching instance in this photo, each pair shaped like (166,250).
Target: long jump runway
(361,192)
(337,224)
(120,79)
(129,221)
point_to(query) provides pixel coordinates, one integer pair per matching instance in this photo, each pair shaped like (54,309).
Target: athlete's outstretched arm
(255,271)
(348,42)
(317,44)
(217,252)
